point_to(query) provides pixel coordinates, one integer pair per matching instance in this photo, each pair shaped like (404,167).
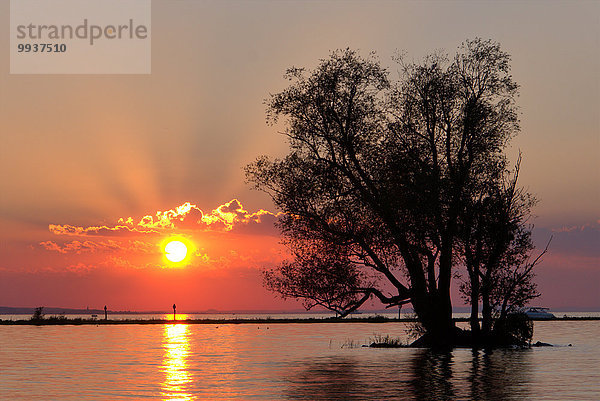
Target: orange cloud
(95,231)
(80,268)
(79,247)
(226,217)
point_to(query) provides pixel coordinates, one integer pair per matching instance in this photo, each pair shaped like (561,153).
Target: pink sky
(85,151)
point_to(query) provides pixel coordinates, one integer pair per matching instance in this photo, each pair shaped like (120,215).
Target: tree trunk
(445,329)
(486,313)
(432,312)
(474,319)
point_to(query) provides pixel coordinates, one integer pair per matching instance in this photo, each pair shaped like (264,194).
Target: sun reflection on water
(175,365)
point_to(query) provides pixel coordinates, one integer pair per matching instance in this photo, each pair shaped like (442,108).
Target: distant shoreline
(61,321)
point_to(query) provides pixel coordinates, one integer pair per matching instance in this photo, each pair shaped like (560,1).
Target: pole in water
(174,312)
(105,314)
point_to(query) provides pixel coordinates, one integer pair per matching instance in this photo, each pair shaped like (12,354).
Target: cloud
(187,216)
(572,240)
(123,262)
(593,226)
(52,246)
(80,268)
(259,223)
(105,231)
(79,247)
(233,207)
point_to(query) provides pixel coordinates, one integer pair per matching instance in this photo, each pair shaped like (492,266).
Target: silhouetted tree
(381,171)
(495,236)
(38,313)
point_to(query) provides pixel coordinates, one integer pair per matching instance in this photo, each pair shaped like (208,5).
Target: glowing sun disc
(175,251)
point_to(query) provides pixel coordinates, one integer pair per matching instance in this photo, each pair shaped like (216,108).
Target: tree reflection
(417,374)
(330,379)
(177,378)
(432,375)
(500,374)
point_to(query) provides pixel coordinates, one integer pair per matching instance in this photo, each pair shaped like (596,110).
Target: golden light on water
(175,364)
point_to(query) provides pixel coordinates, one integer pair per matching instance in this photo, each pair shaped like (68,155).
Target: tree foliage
(38,313)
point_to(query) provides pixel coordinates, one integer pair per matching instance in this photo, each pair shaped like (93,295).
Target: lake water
(287,361)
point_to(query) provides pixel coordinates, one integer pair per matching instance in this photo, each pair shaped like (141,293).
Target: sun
(175,251)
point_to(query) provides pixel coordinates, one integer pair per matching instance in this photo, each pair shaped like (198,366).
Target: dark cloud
(258,224)
(576,240)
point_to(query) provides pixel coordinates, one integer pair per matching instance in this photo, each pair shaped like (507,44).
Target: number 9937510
(41,48)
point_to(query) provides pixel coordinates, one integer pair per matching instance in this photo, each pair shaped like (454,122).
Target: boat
(536,312)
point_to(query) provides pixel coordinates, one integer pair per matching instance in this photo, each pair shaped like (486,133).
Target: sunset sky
(96,171)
